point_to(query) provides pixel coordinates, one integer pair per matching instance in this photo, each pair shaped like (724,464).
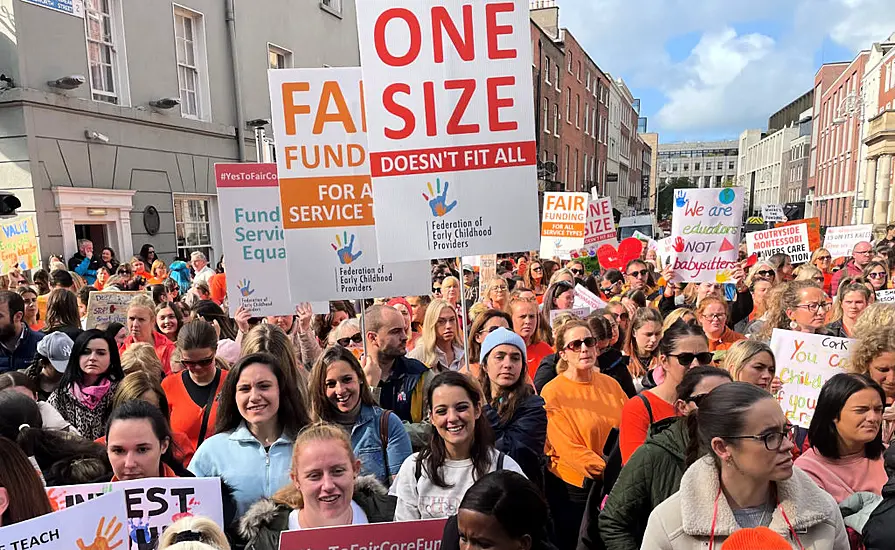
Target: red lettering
(494,30)
(429,103)
(442,22)
(400,111)
(468,86)
(416,37)
(496,103)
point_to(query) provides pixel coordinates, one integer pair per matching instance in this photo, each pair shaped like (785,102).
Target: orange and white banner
(325,193)
(563,224)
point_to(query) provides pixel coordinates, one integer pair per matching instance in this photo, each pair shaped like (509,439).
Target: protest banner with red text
(563,224)
(840,241)
(451,126)
(705,232)
(813,226)
(600,227)
(406,535)
(791,240)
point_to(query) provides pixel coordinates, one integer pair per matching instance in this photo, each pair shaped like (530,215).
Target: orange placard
(813,230)
(327,201)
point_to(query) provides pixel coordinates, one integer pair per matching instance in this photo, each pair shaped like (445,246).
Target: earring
(793,325)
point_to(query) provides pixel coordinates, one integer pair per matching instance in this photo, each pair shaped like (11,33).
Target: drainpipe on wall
(237,79)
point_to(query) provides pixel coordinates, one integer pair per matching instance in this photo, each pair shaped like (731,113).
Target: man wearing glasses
(637,274)
(862,253)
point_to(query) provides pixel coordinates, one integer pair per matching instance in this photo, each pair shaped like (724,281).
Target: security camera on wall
(93,135)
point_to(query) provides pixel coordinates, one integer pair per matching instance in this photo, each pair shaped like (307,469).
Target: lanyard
(715,520)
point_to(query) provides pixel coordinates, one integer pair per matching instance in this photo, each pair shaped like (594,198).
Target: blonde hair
(675,316)
(450,281)
(486,296)
(210,534)
(318,431)
(426,343)
(559,273)
(816,254)
(876,315)
(740,353)
(561,364)
(709,300)
(807,272)
(134,385)
(143,301)
(760,266)
(141,357)
(156,265)
(876,340)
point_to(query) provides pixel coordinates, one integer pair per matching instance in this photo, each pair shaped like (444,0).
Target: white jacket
(683,521)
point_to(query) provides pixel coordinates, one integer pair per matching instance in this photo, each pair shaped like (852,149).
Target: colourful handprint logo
(105,538)
(345,248)
(723,276)
(678,244)
(140,533)
(438,199)
(680,198)
(245,288)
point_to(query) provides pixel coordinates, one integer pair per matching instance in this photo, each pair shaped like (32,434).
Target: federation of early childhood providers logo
(345,248)
(245,288)
(437,198)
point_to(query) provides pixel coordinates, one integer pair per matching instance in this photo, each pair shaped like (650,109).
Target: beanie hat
(499,337)
(757,538)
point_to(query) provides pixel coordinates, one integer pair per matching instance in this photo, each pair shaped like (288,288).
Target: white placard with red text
(705,231)
(325,193)
(600,228)
(789,239)
(451,126)
(840,241)
(563,224)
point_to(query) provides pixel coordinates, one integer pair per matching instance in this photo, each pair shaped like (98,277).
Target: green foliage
(665,202)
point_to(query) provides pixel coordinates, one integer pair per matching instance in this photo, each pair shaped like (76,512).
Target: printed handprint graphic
(105,538)
(438,199)
(345,248)
(723,276)
(680,198)
(678,244)
(245,288)
(140,533)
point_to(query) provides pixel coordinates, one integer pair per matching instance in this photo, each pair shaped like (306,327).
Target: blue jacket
(242,464)
(367,443)
(523,437)
(84,266)
(180,272)
(402,392)
(24,352)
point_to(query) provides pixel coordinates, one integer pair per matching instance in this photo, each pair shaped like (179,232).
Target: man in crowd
(472,286)
(861,255)
(204,272)
(18,343)
(83,263)
(637,275)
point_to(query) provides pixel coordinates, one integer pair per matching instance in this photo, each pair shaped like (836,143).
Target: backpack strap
(209,403)
(383,438)
(649,408)
(500,458)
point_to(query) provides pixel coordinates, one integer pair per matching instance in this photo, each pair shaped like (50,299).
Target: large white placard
(451,126)
(773,213)
(840,241)
(563,224)
(791,240)
(705,232)
(325,192)
(600,227)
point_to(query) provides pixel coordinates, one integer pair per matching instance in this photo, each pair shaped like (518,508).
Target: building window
(569,55)
(696,166)
(674,167)
(587,82)
(569,105)
(546,115)
(556,119)
(586,119)
(577,111)
(547,71)
(721,165)
(192,225)
(686,166)
(556,76)
(578,74)
(730,165)
(103,27)
(192,69)
(566,169)
(278,58)
(334,6)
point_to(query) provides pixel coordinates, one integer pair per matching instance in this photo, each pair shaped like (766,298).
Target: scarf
(347,419)
(91,396)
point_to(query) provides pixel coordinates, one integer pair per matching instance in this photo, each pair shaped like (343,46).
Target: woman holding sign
(800,306)
(846,453)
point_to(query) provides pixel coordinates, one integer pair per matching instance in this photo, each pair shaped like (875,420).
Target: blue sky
(709,69)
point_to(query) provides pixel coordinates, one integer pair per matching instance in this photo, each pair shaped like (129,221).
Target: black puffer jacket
(879,531)
(523,437)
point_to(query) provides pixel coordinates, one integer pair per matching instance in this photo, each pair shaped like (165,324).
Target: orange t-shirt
(164,348)
(728,338)
(218,287)
(535,353)
(635,421)
(186,415)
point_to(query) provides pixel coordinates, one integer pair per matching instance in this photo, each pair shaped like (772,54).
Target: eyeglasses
(576,345)
(577,271)
(686,359)
(766,273)
(714,316)
(824,258)
(641,273)
(345,342)
(504,288)
(488,330)
(817,306)
(877,275)
(772,440)
(697,399)
(200,363)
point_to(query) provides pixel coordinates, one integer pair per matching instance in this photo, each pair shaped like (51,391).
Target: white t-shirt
(358,517)
(424,500)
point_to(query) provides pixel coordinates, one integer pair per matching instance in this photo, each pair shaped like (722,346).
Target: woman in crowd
(340,395)
(680,314)
(712,315)
(654,472)
(325,491)
(485,323)
(746,480)
(50,418)
(168,320)
(194,394)
(641,344)
(117,332)
(267,338)
(761,271)
(873,355)
(49,363)
(349,336)
(807,272)
(497,294)
(22,495)
(406,310)
(559,296)
(109,261)
(583,406)
(823,260)
(62,313)
(753,362)
(852,300)
(527,324)
(102,277)
(617,337)
(147,254)
(783,268)
(259,416)
(846,437)
(141,328)
(297,327)
(502,510)
(533,278)
(84,395)
(450,291)
(159,293)
(159,272)
(139,443)
(140,269)
(877,274)
(800,306)
(193,529)
(432,483)
(441,345)
(141,357)
(339,311)
(31,318)
(682,347)
(515,412)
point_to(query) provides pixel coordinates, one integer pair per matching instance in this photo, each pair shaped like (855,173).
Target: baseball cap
(56,347)
(467,267)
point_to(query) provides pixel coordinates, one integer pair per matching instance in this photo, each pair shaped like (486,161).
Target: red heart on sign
(629,249)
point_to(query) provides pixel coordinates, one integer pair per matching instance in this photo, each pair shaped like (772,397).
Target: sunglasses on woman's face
(878,275)
(824,258)
(766,273)
(577,272)
(345,342)
(200,363)
(576,345)
(686,358)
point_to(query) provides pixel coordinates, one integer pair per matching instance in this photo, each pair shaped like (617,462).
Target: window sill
(331,11)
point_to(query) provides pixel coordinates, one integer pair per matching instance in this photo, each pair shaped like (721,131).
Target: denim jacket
(242,463)
(367,443)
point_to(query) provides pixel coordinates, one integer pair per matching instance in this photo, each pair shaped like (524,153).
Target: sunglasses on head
(686,359)
(697,399)
(345,342)
(576,345)
(200,363)
(488,330)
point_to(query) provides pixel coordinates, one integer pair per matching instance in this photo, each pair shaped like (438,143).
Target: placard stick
(363,323)
(465,314)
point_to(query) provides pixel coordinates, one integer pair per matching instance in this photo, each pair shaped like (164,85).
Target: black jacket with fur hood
(261,526)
